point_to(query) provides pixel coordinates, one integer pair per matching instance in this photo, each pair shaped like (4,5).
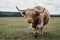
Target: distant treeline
(10,14)
(17,14)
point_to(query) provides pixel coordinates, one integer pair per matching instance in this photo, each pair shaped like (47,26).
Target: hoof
(36,36)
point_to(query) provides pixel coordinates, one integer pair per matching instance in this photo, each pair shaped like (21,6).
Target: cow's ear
(37,13)
(23,13)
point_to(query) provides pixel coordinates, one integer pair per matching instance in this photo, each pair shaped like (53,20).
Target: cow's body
(44,16)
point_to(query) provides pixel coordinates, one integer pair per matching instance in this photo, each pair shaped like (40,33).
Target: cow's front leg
(36,32)
(40,28)
(41,31)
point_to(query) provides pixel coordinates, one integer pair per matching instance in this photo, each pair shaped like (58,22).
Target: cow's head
(30,14)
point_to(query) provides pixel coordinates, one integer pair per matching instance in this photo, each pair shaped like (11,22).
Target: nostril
(29,21)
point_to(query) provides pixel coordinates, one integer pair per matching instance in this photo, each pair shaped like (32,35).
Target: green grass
(16,28)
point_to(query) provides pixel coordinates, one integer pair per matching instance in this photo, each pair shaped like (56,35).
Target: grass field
(16,28)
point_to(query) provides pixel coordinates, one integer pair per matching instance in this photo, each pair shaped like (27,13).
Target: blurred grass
(16,28)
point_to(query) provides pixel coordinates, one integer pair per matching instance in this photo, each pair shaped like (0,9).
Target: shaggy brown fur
(38,17)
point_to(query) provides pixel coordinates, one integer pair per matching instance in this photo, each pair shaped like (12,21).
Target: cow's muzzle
(29,21)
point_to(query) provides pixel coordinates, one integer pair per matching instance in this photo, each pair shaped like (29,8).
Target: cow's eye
(37,13)
(23,13)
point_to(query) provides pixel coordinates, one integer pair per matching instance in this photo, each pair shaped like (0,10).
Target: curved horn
(42,11)
(18,9)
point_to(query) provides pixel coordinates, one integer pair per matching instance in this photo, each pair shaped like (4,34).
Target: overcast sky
(9,5)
